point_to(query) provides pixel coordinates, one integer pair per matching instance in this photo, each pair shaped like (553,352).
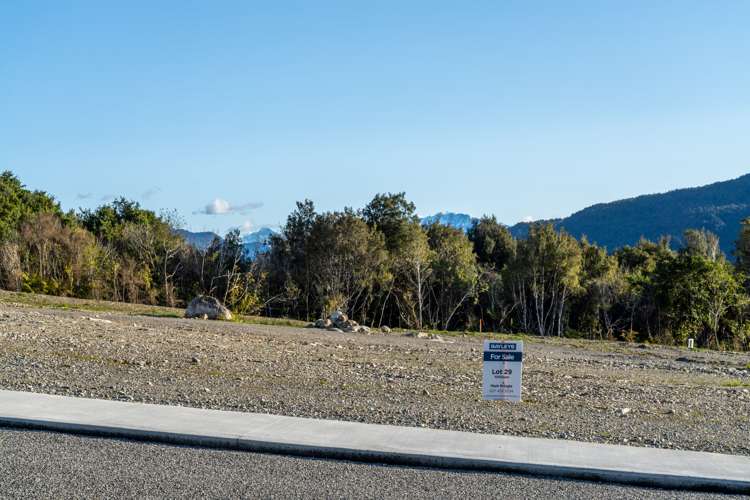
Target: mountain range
(201,240)
(459,221)
(254,243)
(718,207)
(257,242)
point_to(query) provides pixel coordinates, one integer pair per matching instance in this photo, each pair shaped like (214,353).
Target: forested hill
(717,207)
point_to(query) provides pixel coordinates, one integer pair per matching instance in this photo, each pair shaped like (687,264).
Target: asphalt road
(51,465)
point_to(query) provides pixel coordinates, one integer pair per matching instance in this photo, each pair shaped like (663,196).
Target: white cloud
(528,218)
(222,207)
(218,207)
(247,227)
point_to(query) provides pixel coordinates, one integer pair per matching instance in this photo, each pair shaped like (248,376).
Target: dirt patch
(588,391)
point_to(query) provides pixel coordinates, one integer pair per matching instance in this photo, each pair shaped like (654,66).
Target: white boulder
(208,307)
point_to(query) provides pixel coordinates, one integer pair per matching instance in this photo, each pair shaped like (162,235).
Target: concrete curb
(672,469)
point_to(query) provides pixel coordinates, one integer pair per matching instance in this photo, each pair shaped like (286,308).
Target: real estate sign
(503,364)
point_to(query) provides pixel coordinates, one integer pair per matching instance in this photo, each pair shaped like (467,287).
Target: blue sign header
(502,356)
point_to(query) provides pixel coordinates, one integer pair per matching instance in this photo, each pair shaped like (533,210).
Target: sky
(229,112)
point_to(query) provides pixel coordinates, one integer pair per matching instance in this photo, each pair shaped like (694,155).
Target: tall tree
(17,204)
(698,298)
(545,274)
(454,276)
(145,247)
(347,260)
(493,243)
(742,248)
(411,271)
(639,264)
(495,248)
(702,242)
(392,215)
(290,275)
(603,287)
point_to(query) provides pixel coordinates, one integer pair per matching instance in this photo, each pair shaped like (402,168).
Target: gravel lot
(48,465)
(599,392)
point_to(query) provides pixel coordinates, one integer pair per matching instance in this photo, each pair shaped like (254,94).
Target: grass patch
(472,334)
(735,382)
(68,303)
(71,304)
(161,314)
(262,320)
(88,358)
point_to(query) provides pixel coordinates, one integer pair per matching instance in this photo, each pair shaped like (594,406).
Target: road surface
(50,465)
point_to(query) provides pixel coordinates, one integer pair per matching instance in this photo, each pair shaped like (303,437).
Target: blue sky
(229,112)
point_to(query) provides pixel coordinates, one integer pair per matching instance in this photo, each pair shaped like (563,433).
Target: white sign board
(503,364)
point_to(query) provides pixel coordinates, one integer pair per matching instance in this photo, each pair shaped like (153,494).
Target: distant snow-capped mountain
(257,242)
(459,221)
(253,243)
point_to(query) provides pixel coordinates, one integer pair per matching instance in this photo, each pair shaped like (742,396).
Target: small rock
(99,320)
(195,360)
(624,411)
(419,335)
(338,316)
(385,329)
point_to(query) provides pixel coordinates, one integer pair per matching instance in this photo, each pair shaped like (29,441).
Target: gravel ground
(49,465)
(588,391)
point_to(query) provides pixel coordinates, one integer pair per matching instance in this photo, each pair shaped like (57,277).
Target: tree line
(118,252)
(383,267)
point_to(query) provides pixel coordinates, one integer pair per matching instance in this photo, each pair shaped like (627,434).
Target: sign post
(503,365)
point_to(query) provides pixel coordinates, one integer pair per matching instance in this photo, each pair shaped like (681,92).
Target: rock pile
(340,322)
(207,308)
